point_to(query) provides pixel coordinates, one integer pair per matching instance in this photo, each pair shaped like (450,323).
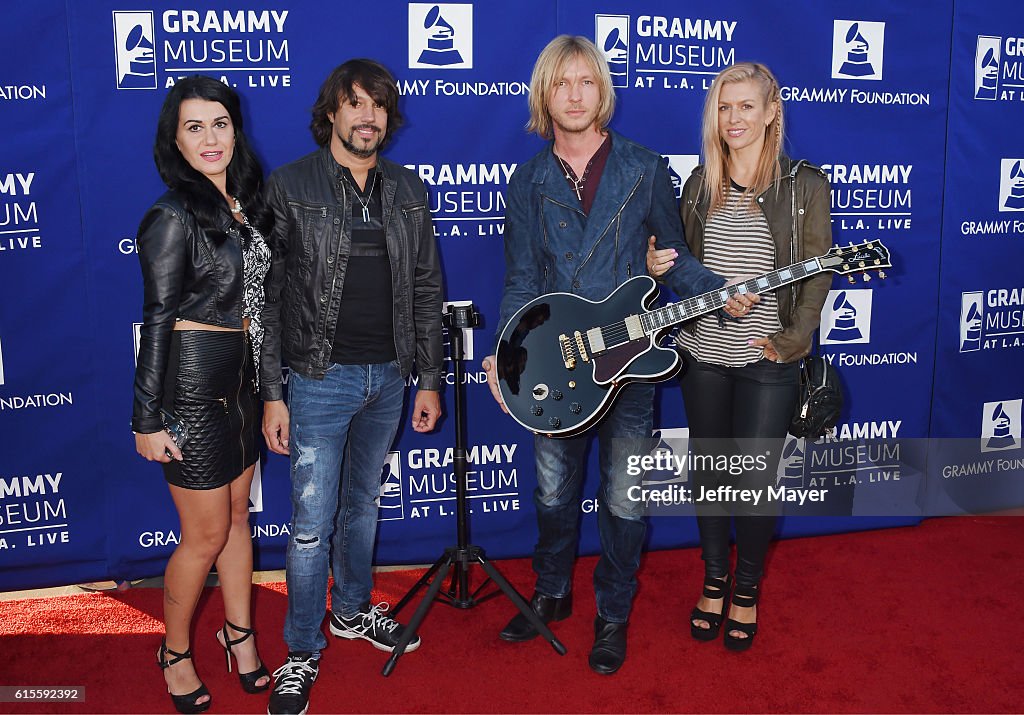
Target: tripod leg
(521,604)
(418,616)
(419,584)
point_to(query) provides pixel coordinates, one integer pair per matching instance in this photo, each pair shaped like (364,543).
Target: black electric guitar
(561,358)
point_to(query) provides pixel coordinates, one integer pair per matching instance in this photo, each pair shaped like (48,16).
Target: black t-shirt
(365,331)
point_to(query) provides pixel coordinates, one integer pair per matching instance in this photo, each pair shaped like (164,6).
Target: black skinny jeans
(732,412)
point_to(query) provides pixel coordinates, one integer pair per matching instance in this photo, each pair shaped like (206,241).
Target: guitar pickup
(596,341)
(634,328)
(580,346)
(565,345)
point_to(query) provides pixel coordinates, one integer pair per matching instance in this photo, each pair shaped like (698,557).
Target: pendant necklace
(570,176)
(364,204)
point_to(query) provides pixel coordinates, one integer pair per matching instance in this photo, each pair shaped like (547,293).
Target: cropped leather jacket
(311,243)
(798,210)
(188,273)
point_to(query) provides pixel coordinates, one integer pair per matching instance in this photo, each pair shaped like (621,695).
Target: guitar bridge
(565,345)
(580,346)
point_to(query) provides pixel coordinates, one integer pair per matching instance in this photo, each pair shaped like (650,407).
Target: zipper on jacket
(614,218)
(334,275)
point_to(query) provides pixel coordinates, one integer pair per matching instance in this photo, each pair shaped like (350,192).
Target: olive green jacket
(797,206)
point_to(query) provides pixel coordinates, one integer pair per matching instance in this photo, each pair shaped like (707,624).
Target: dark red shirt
(592,174)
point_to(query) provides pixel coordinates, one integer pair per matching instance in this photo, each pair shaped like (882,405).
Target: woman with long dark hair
(748,209)
(204,259)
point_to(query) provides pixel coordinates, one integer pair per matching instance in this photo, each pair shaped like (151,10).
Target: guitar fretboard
(690,308)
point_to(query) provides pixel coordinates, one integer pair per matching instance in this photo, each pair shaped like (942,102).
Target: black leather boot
(547,609)
(609,651)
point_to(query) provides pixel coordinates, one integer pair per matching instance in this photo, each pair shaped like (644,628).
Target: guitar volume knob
(554,422)
(537,410)
(556,394)
(575,408)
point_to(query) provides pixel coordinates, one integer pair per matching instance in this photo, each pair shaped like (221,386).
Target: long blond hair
(716,151)
(548,69)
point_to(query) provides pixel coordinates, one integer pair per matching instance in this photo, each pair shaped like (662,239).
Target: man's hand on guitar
(490,366)
(739,304)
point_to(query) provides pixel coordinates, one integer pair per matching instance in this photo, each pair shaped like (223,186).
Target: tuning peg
(867,277)
(871,244)
(881,274)
(851,279)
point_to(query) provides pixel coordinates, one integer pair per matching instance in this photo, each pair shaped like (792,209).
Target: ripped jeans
(341,430)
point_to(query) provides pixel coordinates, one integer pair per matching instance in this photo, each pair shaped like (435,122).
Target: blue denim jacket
(550,245)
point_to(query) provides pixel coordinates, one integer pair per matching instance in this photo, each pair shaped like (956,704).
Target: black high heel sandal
(185,704)
(744,597)
(714,588)
(248,680)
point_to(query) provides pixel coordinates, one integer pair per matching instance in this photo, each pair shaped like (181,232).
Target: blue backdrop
(912,110)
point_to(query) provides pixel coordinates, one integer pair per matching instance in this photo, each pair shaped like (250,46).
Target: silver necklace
(364,204)
(570,176)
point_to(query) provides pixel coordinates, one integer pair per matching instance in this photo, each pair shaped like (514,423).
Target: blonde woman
(747,210)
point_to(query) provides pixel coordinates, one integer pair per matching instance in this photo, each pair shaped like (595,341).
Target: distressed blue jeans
(621,526)
(341,430)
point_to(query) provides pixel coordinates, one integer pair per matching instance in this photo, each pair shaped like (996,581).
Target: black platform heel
(185,704)
(744,597)
(248,680)
(714,588)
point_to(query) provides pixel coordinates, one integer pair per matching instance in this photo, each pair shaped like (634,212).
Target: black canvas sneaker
(292,683)
(372,625)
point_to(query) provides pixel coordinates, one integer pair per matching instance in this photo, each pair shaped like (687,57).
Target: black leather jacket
(188,273)
(310,244)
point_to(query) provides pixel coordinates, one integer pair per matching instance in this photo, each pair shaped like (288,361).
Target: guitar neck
(690,308)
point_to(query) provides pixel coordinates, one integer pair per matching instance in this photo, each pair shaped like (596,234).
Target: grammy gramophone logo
(611,35)
(680,166)
(791,464)
(857,48)
(1011,185)
(972,313)
(986,67)
(134,58)
(846,317)
(389,498)
(1001,425)
(440,36)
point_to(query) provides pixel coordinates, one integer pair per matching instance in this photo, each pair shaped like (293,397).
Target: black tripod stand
(458,559)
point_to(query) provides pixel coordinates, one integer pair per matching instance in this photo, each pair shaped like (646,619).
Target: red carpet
(920,619)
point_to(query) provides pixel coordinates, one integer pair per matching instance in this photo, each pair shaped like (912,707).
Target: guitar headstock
(857,258)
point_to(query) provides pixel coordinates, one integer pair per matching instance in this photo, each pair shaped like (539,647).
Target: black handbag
(821,399)
(821,393)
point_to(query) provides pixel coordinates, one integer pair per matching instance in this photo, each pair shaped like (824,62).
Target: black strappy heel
(248,680)
(744,597)
(185,704)
(714,588)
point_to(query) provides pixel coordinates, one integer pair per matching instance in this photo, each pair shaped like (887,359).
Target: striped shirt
(737,241)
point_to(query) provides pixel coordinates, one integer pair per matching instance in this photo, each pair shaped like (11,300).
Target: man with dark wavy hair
(353,302)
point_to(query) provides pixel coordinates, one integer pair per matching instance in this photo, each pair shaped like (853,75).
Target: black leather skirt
(211,386)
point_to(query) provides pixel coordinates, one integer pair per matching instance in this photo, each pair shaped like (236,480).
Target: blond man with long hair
(578,217)
(748,209)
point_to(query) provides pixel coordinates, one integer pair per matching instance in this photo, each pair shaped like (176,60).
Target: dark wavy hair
(244,174)
(375,80)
